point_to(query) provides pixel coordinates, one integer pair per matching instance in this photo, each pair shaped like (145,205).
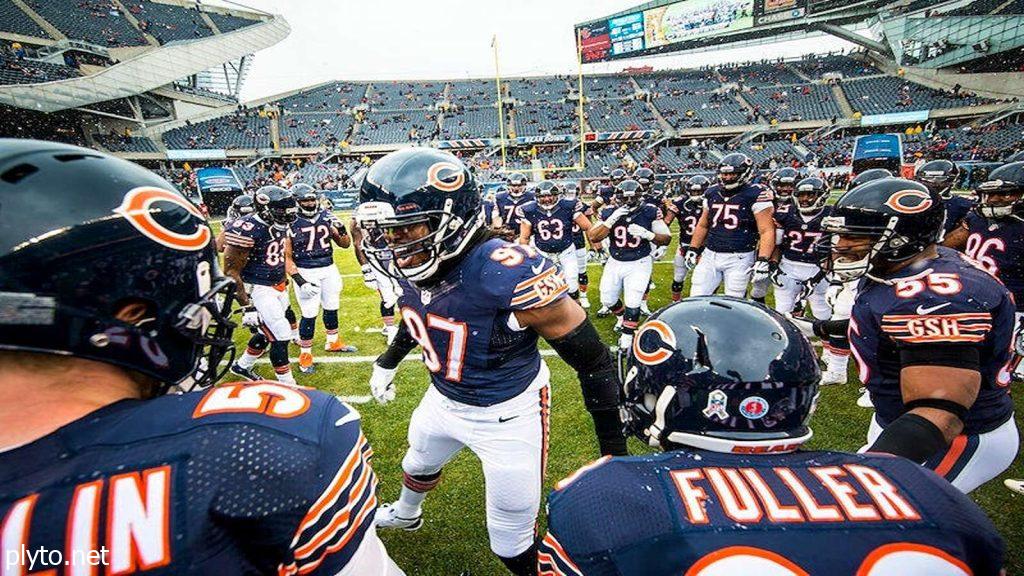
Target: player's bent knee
(279,353)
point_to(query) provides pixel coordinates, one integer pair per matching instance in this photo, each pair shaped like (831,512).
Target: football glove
(639,231)
(761,270)
(250,317)
(369,279)
(690,258)
(382,385)
(307,289)
(619,213)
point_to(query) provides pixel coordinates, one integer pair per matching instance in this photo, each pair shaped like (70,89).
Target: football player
(112,297)
(548,221)
(686,207)
(652,192)
(317,280)
(632,226)
(242,205)
(254,254)
(733,493)
(736,225)
(940,176)
(476,306)
(993,235)
(376,279)
(506,204)
(799,274)
(782,183)
(579,240)
(931,330)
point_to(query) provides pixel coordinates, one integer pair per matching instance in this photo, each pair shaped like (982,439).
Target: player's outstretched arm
(382,379)
(957,237)
(525,230)
(235,259)
(700,231)
(766,231)
(939,384)
(565,326)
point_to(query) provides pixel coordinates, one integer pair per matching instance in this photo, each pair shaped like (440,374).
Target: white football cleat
(584,302)
(1014,485)
(618,324)
(644,309)
(387,518)
(829,377)
(865,399)
(604,311)
(390,332)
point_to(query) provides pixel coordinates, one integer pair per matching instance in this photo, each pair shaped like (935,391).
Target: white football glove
(776,276)
(309,290)
(640,232)
(690,259)
(619,213)
(761,271)
(250,317)
(382,385)
(369,279)
(803,324)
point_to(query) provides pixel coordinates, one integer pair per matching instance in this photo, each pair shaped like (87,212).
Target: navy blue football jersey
(998,246)
(687,213)
(945,300)
(488,208)
(266,245)
(957,208)
(474,351)
(800,235)
(507,208)
(731,223)
(700,513)
(622,245)
(245,478)
(311,240)
(552,228)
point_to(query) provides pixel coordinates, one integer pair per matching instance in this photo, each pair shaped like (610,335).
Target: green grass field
(453,539)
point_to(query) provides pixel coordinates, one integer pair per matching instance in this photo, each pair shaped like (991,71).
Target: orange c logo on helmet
(137,208)
(446,182)
(898,201)
(663,352)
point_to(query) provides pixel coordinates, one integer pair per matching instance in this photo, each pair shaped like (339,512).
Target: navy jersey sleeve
(242,233)
(517,277)
(304,505)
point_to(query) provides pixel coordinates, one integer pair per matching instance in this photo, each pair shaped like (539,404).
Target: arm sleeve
(400,346)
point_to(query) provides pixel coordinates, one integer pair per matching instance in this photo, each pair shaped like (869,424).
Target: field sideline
(453,540)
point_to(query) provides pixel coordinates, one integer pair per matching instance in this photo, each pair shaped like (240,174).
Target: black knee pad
(290,315)
(279,353)
(306,328)
(677,287)
(386,310)
(331,319)
(584,279)
(258,341)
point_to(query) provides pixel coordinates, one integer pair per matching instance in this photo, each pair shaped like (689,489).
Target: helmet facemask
(309,205)
(998,199)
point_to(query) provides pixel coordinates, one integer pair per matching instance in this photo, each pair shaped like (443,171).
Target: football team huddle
(117,320)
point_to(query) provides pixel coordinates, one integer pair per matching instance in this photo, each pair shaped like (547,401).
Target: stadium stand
(678,82)
(538,89)
(334,96)
(391,127)
(314,129)
(713,109)
(96,21)
(13,19)
(536,119)
(770,155)
(405,95)
(607,87)
(793,103)
(673,158)
(168,22)
(244,129)
(126,143)
(462,123)
(619,115)
(472,93)
(849,67)
(762,74)
(229,22)
(887,94)
(21,71)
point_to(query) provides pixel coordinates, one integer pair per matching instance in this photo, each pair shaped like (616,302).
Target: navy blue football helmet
(548,194)
(645,176)
(276,206)
(628,193)
(84,234)
(783,183)
(867,176)
(735,170)
(516,184)
(241,206)
(939,176)
(307,198)
(811,195)
(697,185)
(414,188)
(571,190)
(1007,182)
(900,218)
(722,374)
(617,175)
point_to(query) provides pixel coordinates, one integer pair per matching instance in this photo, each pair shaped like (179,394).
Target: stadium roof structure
(147,69)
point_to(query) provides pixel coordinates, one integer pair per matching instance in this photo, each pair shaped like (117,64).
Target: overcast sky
(435,39)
